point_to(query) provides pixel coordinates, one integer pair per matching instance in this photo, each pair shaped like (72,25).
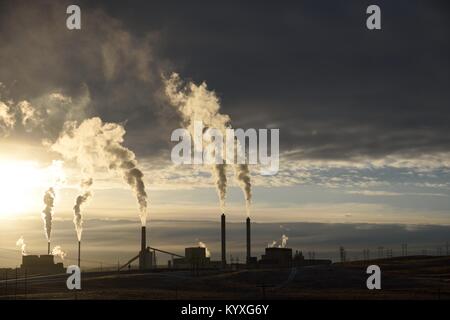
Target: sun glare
(20,182)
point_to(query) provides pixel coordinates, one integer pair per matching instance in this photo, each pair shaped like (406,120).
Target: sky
(363,115)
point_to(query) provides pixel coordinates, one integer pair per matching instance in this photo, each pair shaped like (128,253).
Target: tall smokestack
(48,247)
(249,254)
(79,254)
(224,254)
(143,240)
(142,254)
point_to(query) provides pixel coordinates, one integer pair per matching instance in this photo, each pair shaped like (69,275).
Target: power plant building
(277,257)
(43,264)
(195,257)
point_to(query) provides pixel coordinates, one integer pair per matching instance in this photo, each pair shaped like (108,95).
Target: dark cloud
(310,68)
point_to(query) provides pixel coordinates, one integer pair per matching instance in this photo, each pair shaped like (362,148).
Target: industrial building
(277,257)
(43,264)
(300,261)
(146,256)
(195,257)
(198,258)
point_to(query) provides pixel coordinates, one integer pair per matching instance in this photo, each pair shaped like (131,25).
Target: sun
(19,181)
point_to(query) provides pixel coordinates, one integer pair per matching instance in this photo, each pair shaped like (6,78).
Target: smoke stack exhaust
(142,254)
(224,254)
(79,254)
(249,254)
(143,239)
(48,248)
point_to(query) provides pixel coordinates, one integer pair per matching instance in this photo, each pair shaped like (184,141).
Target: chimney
(79,250)
(143,240)
(249,254)
(224,254)
(143,247)
(48,248)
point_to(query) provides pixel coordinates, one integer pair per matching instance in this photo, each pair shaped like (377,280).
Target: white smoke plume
(242,174)
(272,245)
(282,244)
(23,247)
(7,119)
(57,177)
(203,245)
(47,213)
(197,103)
(82,198)
(43,115)
(97,144)
(284,240)
(58,252)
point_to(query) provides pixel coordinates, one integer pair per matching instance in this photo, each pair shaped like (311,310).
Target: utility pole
(404,249)
(380,252)
(342,254)
(263,289)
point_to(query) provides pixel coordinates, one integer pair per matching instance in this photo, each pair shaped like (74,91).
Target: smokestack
(79,254)
(143,240)
(48,248)
(142,254)
(224,254)
(248,241)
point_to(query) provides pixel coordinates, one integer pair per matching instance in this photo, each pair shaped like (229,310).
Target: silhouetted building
(300,261)
(147,259)
(277,257)
(43,264)
(195,257)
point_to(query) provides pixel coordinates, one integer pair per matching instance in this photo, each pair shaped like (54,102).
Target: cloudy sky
(363,115)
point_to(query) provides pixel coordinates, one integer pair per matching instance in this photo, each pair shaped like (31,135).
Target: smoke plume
(12,114)
(82,198)
(284,240)
(242,174)
(272,245)
(97,144)
(47,213)
(23,247)
(57,176)
(197,103)
(58,252)
(203,245)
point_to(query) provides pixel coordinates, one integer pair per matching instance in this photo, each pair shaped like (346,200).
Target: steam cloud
(282,244)
(197,103)
(272,245)
(12,113)
(203,245)
(284,240)
(78,218)
(47,213)
(242,174)
(94,143)
(23,247)
(58,252)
